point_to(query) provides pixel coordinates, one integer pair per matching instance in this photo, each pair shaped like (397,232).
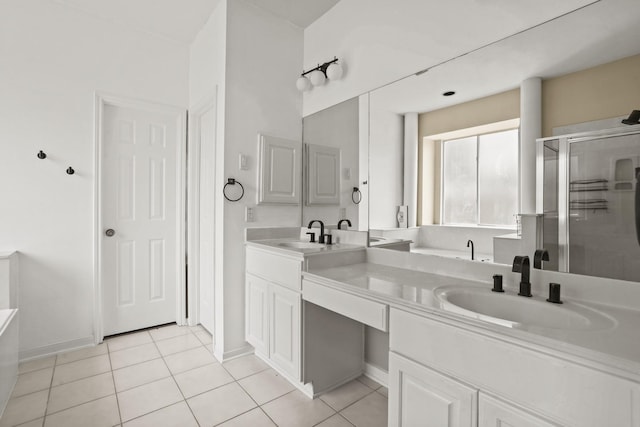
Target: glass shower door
(602,235)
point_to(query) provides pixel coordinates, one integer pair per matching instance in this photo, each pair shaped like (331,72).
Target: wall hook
(70,171)
(41,155)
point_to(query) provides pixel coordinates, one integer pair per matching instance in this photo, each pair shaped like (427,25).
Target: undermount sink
(301,245)
(520,312)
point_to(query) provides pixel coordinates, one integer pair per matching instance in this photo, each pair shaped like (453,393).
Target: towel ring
(231,181)
(356,193)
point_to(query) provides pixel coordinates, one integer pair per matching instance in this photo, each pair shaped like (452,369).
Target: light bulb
(303,84)
(317,78)
(334,71)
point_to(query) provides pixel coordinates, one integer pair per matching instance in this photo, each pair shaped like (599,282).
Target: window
(480,179)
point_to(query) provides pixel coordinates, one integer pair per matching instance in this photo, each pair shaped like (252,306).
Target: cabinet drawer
(276,268)
(365,311)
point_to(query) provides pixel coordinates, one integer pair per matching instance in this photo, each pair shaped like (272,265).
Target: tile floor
(168,377)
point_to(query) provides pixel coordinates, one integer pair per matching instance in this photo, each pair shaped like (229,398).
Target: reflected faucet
(538,257)
(321,238)
(521,265)
(343,220)
(470,243)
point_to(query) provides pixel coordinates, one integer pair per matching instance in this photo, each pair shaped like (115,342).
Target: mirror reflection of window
(480,179)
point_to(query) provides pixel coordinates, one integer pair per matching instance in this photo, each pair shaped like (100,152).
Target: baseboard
(377,374)
(51,349)
(225,356)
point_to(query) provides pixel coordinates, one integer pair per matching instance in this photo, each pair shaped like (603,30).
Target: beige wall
(605,91)
(491,109)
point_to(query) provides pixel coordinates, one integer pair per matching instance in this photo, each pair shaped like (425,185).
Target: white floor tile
(33,381)
(147,398)
(245,366)
(369,382)
(266,386)
(297,410)
(254,418)
(35,423)
(204,337)
(34,365)
(169,331)
(140,374)
(383,391)
(81,391)
(178,344)
(189,359)
(345,395)
(221,404)
(81,369)
(177,415)
(83,353)
(98,413)
(336,421)
(133,355)
(24,408)
(371,411)
(205,378)
(121,342)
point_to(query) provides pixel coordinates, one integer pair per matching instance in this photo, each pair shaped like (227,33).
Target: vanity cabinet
(273,309)
(435,360)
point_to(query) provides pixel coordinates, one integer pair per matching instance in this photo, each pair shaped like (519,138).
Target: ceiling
(596,34)
(182,20)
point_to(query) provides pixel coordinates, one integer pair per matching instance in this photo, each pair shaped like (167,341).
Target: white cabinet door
(279,173)
(495,413)
(323,175)
(284,332)
(419,396)
(257,314)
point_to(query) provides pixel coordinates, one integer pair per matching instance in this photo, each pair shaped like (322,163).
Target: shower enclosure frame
(563,179)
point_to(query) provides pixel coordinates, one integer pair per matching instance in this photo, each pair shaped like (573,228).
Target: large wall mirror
(391,138)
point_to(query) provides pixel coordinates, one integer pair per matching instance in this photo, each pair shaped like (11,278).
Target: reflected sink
(301,245)
(520,312)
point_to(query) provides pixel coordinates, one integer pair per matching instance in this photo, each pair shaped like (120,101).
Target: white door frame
(193,200)
(101,100)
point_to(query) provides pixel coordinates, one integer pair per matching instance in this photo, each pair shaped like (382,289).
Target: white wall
(263,59)
(207,71)
(53,60)
(386,160)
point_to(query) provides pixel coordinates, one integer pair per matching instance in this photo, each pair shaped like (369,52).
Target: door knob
(110,232)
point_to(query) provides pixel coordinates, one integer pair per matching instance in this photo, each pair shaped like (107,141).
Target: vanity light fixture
(318,76)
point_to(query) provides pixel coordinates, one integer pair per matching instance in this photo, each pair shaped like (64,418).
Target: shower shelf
(583,190)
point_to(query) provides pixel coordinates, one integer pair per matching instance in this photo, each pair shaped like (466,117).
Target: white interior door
(139,262)
(207,134)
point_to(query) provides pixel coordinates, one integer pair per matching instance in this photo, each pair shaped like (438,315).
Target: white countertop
(276,245)
(615,349)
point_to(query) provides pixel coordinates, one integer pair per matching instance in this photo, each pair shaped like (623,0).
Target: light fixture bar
(322,67)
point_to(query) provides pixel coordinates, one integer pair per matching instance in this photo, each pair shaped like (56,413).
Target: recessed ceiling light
(449,93)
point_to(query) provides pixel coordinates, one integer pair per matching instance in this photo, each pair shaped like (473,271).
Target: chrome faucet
(321,238)
(521,265)
(470,243)
(538,257)
(344,220)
